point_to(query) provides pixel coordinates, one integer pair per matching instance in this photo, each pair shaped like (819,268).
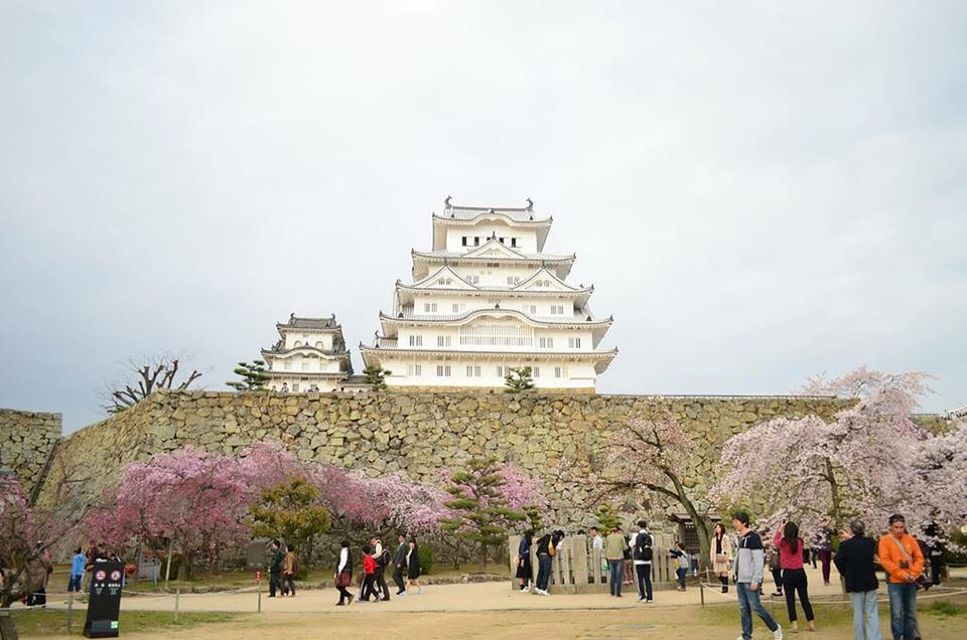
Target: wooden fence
(577,568)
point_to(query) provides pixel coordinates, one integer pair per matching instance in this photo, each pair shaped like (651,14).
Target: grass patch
(944,609)
(42,623)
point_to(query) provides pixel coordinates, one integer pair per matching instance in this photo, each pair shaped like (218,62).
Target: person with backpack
(275,567)
(546,550)
(642,554)
(289,567)
(383,560)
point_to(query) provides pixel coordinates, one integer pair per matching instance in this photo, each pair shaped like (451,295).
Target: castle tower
(486,299)
(310,355)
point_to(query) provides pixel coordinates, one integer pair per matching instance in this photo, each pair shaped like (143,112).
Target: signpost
(104,601)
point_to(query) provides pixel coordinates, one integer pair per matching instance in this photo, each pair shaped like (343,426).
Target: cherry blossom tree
(937,494)
(647,461)
(862,463)
(189,498)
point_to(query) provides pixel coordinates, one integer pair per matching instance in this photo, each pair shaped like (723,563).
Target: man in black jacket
(854,560)
(399,562)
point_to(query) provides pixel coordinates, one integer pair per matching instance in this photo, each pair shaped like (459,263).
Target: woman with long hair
(721,555)
(413,567)
(790,547)
(344,575)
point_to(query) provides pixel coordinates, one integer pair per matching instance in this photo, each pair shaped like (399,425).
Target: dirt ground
(494,610)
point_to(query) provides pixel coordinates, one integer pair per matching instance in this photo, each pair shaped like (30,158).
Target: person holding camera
(900,556)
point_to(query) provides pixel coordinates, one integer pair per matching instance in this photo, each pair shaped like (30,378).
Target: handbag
(343,579)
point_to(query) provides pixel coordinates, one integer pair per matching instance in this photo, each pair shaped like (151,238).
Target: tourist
(597,544)
(749,569)
(794,581)
(721,555)
(344,575)
(399,565)
(642,554)
(823,545)
(900,556)
(38,570)
(524,568)
(369,575)
(289,567)
(275,567)
(77,570)
(855,561)
(772,556)
(934,553)
(383,560)
(413,566)
(682,561)
(546,551)
(614,550)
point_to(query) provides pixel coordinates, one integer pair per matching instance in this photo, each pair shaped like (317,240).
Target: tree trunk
(8,626)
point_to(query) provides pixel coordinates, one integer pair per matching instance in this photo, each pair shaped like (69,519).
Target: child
(681,556)
(369,574)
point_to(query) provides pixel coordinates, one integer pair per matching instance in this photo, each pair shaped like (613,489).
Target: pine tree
(482,514)
(254,376)
(519,380)
(376,376)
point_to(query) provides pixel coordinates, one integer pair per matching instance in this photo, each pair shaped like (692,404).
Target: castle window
(443,341)
(295,387)
(287,365)
(456,307)
(500,372)
(547,343)
(513,242)
(416,341)
(464,239)
(558,372)
(305,366)
(557,309)
(501,240)
(473,371)
(443,371)
(536,372)
(574,343)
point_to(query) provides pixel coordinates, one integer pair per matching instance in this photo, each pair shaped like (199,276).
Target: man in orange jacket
(900,555)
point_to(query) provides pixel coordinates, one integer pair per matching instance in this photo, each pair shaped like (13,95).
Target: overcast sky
(758,193)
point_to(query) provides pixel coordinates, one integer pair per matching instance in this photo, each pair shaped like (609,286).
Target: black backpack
(643,549)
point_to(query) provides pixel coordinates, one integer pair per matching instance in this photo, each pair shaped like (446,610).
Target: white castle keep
(487,299)
(310,355)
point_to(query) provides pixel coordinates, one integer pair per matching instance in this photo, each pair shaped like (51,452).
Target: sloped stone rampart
(26,441)
(419,434)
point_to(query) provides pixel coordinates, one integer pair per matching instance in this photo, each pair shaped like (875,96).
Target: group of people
(896,552)
(376,559)
(283,565)
(615,549)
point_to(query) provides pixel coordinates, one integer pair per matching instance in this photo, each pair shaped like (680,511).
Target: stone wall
(416,433)
(27,439)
